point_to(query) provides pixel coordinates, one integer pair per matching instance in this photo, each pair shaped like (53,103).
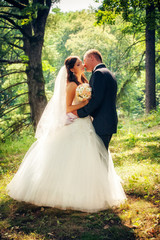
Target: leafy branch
(17,125)
(14,24)
(128,80)
(12,61)
(13,85)
(13,15)
(16,4)
(15,107)
(9,73)
(12,99)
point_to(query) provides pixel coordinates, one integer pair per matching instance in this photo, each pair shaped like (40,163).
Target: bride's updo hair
(71,77)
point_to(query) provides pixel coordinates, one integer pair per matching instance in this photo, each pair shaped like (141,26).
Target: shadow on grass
(138,149)
(49,223)
(146,209)
(150,152)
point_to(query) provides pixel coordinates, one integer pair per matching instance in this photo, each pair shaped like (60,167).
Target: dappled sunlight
(133,147)
(142,215)
(136,159)
(140,179)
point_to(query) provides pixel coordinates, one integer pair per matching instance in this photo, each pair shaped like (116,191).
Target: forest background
(73,33)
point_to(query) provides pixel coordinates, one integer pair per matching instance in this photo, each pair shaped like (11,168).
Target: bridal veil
(54,115)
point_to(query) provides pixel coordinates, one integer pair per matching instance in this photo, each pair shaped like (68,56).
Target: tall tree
(150,58)
(29,18)
(141,14)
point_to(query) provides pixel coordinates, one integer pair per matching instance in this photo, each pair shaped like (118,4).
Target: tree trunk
(36,84)
(150,100)
(33,43)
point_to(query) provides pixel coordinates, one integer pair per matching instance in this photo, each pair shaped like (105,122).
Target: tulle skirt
(70,169)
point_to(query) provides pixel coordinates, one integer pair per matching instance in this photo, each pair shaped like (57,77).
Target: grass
(136,154)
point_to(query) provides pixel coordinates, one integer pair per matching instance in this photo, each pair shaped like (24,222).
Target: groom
(102,105)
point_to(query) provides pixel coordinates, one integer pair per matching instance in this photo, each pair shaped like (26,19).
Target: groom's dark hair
(95,53)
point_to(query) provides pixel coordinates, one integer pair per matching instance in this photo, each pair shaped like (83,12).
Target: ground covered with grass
(136,154)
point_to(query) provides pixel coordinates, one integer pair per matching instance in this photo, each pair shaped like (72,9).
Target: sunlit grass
(136,154)
(13,150)
(143,216)
(17,143)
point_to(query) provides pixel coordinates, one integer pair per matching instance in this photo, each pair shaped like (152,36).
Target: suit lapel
(91,80)
(97,67)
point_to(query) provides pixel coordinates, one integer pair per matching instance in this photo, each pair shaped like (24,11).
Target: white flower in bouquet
(83,91)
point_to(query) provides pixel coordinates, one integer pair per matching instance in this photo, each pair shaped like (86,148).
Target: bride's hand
(85,102)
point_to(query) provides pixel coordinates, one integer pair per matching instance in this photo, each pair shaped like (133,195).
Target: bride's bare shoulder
(71,86)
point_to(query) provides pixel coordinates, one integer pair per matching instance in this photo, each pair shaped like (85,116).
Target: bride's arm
(70,94)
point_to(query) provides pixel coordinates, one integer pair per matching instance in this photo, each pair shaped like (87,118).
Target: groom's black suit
(102,106)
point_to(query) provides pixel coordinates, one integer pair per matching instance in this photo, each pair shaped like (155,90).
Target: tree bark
(33,43)
(150,100)
(35,80)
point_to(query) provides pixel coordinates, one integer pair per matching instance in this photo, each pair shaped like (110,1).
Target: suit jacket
(102,106)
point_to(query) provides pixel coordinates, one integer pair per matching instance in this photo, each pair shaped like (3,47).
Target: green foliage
(22,23)
(72,34)
(13,101)
(131,11)
(140,16)
(12,75)
(103,15)
(15,145)
(30,12)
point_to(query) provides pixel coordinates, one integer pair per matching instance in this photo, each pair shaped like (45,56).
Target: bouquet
(83,91)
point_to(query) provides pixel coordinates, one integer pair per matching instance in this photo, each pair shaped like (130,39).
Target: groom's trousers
(106,139)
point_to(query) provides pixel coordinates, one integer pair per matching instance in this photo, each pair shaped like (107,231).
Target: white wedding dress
(70,169)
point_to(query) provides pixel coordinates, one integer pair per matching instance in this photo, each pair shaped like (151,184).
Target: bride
(68,167)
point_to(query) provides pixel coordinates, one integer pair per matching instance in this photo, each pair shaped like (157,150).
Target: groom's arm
(98,91)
